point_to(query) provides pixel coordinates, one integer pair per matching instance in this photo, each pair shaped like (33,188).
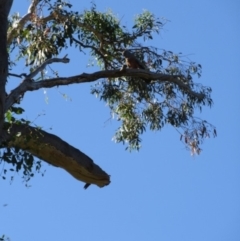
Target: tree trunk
(5,6)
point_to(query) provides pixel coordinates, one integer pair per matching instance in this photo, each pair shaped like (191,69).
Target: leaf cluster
(20,161)
(138,103)
(4,238)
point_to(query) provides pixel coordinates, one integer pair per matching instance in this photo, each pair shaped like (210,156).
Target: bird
(131,61)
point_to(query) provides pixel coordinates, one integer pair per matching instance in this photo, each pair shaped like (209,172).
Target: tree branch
(27,85)
(57,15)
(33,6)
(49,61)
(13,32)
(56,152)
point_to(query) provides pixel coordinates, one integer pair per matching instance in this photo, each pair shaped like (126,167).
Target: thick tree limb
(57,152)
(84,78)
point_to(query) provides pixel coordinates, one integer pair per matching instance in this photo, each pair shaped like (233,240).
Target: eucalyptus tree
(164,92)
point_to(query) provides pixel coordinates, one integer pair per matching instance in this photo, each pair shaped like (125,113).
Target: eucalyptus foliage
(166,94)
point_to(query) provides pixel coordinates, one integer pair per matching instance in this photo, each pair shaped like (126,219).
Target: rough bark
(5,6)
(57,152)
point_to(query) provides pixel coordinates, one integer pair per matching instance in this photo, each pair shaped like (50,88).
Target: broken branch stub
(56,152)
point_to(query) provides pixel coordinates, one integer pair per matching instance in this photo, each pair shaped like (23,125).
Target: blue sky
(162,192)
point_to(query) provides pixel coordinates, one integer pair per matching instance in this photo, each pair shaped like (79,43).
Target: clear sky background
(162,192)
